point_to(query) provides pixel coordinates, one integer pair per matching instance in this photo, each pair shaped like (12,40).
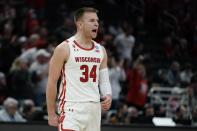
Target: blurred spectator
(32,113)
(120,115)
(182,50)
(160,77)
(173,74)
(172,104)
(39,71)
(8,13)
(148,114)
(33,41)
(133,116)
(29,55)
(3,88)
(191,97)
(42,41)
(160,110)
(10,111)
(125,42)
(186,74)
(182,116)
(9,49)
(19,80)
(116,74)
(137,86)
(28,109)
(22,40)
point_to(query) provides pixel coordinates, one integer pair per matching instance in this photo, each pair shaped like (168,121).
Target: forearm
(104,83)
(51,93)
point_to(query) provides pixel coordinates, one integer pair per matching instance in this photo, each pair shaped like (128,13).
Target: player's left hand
(106,103)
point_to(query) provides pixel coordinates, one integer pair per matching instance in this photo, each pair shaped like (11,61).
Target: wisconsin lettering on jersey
(87,59)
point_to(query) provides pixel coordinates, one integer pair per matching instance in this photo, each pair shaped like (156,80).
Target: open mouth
(94,30)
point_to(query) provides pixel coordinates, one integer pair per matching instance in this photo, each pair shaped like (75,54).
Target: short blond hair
(80,12)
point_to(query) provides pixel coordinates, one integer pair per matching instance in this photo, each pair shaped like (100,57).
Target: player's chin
(94,36)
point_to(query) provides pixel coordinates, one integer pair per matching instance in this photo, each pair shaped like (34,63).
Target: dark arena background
(152,60)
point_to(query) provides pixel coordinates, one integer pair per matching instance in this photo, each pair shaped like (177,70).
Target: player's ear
(79,24)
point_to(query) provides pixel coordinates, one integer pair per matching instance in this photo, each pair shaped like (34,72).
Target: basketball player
(82,64)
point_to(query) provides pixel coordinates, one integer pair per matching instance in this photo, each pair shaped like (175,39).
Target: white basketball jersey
(80,73)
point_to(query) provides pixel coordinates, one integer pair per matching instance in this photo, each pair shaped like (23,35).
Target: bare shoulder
(62,46)
(104,50)
(62,50)
(104,61)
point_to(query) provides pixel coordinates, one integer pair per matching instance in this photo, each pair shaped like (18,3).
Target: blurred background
(152,58)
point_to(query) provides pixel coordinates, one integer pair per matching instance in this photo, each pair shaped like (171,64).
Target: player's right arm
(57,61)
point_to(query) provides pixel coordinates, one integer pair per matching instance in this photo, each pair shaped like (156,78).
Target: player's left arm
(104,84)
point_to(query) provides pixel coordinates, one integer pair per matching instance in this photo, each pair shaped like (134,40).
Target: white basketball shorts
(81,116)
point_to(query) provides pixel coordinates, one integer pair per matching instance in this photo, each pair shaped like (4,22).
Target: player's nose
(96,24)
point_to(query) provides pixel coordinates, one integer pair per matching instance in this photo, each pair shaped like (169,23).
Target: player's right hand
(53,119)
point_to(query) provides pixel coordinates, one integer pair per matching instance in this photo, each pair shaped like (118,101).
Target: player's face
(90,24)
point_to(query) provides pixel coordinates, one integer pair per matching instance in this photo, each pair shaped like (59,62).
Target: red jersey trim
(62,86)
(63,93)
(83,47)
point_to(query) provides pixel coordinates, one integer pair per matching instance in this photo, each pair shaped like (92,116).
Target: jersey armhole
(66,43)
(69,53)
(102,49)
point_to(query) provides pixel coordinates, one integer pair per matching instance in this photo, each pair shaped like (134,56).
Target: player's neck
(79,37)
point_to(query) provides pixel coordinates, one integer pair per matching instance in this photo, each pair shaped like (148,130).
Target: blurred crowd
(150,43)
